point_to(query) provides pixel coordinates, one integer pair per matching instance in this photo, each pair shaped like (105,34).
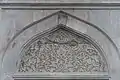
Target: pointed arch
(56,13)
(53,41)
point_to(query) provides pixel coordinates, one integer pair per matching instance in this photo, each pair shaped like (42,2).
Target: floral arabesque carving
(61,51)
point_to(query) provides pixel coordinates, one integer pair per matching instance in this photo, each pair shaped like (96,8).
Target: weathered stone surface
(12,21)
(61,51)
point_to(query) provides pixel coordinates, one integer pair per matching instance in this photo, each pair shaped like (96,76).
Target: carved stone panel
(61,51)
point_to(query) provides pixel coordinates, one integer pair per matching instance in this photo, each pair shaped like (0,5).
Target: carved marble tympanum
(61,50)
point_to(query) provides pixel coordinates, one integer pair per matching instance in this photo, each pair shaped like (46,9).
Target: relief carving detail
(61,51)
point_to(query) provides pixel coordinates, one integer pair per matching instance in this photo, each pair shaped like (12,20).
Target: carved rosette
(61,51)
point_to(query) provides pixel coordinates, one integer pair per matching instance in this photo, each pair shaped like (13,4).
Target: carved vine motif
(61,51)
